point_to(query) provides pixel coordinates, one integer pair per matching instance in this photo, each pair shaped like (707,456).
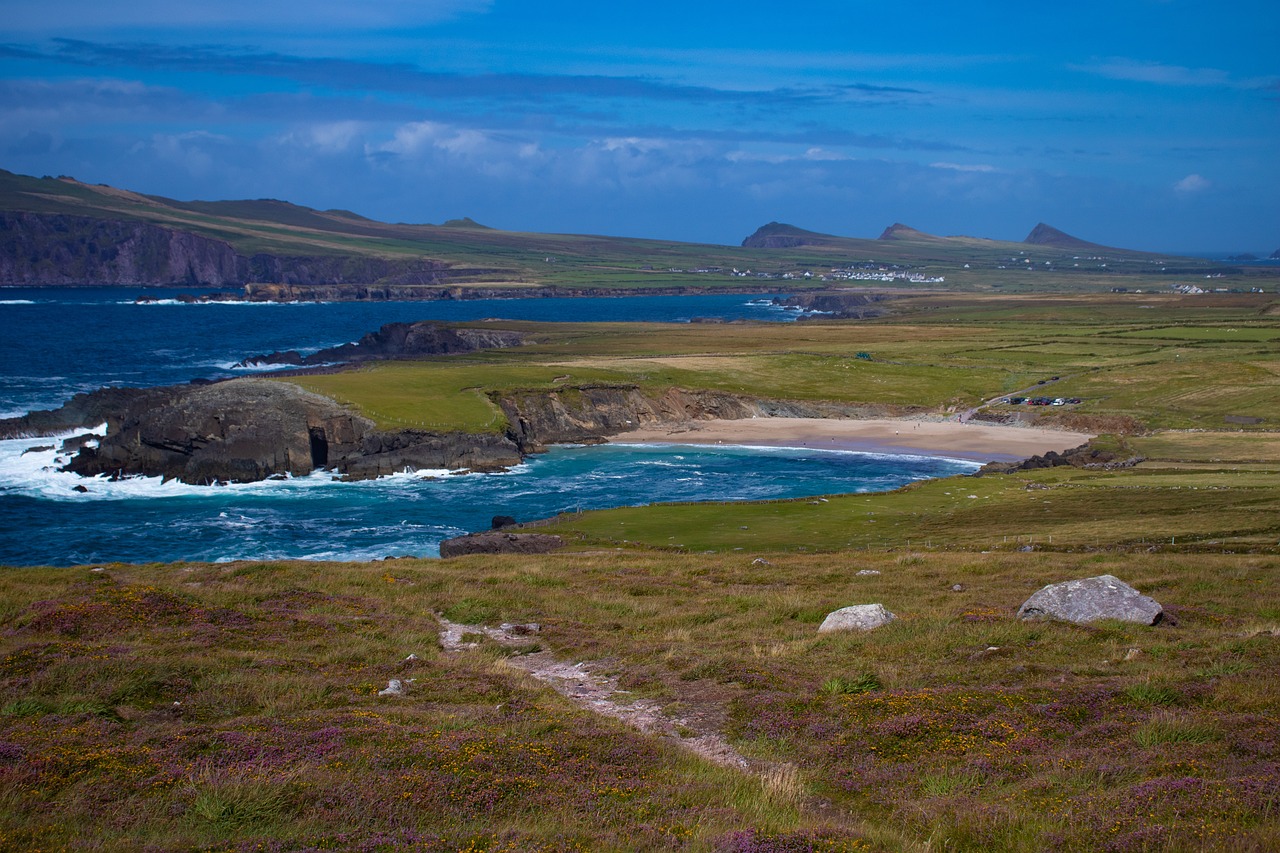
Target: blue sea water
(56,342)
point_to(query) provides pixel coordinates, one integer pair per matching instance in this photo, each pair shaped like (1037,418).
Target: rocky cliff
(591,414)
(55,249)
(246,430)
(43,249)
(398,340)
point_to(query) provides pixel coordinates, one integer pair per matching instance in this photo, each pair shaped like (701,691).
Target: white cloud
(964,167)
(817,153)
(328,137)
(1161,74)
(1192,184)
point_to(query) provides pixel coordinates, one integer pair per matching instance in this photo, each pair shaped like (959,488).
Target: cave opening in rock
(319,447)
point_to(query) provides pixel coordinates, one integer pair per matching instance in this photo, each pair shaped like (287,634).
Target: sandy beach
(975,442)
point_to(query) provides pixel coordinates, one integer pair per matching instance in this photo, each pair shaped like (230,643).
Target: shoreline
(951,439)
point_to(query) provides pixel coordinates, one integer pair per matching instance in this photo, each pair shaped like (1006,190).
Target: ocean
(56,342)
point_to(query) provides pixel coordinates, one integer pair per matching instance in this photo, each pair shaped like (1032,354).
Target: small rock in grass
(863,573)
(1090,599)
(395,687)
(857,617)
(957,587)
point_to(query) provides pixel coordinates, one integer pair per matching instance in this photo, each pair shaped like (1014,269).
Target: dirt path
(593,691)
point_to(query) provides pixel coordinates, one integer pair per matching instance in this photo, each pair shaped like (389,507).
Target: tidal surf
(60,342)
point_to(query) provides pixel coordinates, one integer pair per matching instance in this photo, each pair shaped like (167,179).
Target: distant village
(854,272)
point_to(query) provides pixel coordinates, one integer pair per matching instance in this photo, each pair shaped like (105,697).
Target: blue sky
(1152,124)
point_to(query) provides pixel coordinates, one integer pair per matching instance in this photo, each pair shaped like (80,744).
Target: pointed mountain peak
(1047,235)
(779,235)
(898,231)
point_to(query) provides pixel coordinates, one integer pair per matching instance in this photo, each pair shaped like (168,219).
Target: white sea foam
(17,302)
(253,366)
(788,450)
(26,469)
(209,302)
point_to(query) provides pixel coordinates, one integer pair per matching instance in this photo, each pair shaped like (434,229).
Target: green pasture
(1059,508)
(1199,380)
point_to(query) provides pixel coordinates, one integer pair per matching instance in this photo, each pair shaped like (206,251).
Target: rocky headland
(246,430)
(397,340)
(837,304)
(62,249)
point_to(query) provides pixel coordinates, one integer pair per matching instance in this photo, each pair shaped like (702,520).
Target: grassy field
(235,706)
(927,355)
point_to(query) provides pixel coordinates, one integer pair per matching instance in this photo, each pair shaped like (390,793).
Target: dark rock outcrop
(247,430)
(398,340)
(244,431)
(1084,456)
(494,542)
(83,411)
(837,304)
(381,453)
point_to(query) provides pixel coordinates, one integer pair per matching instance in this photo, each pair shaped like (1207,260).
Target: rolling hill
(57,231)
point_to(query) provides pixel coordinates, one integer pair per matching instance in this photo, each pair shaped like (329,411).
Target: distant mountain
(57,231)
(779,235)
(1275,256)
(898,231)
(1047,235)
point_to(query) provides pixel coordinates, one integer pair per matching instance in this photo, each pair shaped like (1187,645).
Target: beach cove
(951,439)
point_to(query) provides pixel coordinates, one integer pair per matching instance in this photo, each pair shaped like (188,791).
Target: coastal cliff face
(58,249)
(590,414)
(49,249)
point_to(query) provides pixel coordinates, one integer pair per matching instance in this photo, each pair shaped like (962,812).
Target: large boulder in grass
(1090,599)
(857,617)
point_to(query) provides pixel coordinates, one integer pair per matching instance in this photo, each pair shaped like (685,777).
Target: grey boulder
(1090,599)
(857,617)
